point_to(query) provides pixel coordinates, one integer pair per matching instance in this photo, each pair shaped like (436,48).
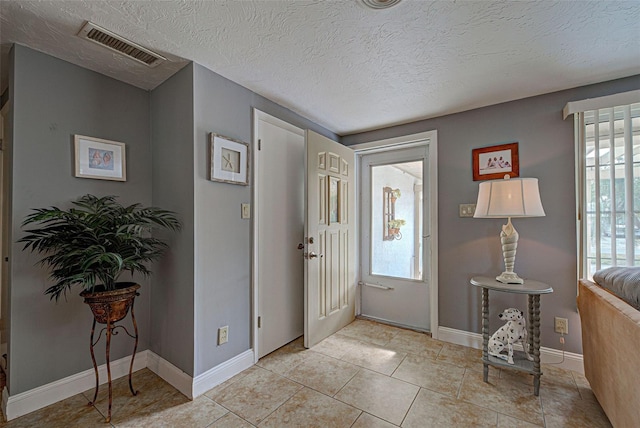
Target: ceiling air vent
(119,44)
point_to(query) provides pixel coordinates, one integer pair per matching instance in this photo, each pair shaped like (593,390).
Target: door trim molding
(259,115)
(407,141)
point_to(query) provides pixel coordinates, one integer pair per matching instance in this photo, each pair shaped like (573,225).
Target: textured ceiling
(344,66)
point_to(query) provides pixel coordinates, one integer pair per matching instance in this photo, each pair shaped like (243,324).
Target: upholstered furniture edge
(611,352)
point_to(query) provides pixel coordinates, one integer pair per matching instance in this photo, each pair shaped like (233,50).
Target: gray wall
(203,281)
(172,297)
(222,238)
(51,101)
(7,226)
(547,245)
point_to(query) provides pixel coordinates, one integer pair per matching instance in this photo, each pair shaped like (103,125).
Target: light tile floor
(368,375)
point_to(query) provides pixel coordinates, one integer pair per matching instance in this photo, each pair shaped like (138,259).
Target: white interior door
(330,238)
(394,216)
(279,228)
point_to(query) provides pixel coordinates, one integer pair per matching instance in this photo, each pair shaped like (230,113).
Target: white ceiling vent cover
(119,44)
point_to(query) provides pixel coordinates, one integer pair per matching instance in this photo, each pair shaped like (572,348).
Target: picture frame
(229,160)
(99,159)
(494,162)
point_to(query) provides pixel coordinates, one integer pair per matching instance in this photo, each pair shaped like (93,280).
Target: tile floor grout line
(282,404)
(230,411)
(398,366)
(490,409)
(464,374)
(354,422)
(415,397)
(216,420)
(97,410)
(347,382)
(240,417)
(321,392)
(544,417)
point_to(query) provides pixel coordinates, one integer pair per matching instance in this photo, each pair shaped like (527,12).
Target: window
(608,150)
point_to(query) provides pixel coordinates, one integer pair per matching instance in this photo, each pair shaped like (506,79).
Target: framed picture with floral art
(99,159)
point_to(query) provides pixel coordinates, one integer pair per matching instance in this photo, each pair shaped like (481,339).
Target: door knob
(313,255)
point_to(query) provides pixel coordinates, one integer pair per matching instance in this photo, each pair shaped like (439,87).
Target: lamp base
(509,278)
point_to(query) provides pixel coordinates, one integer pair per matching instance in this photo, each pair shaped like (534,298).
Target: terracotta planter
(111,305)
(394,230)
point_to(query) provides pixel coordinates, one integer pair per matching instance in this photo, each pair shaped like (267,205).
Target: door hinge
(259,144)
(259,322)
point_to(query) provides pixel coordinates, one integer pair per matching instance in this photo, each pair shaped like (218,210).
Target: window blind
(607,182)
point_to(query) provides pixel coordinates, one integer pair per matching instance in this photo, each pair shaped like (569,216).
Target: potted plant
(395,194)
(92,244)
(394,226)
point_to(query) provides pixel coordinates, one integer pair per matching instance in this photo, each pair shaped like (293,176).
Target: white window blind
(608,185)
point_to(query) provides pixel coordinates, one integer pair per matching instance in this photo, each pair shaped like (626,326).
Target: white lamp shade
(515,197)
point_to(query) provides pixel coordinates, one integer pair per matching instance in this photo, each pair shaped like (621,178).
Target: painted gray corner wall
(52,101)
(7,224)
(222,238)
(172,297)
(547,245)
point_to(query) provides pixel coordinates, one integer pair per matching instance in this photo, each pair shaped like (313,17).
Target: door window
(396,220)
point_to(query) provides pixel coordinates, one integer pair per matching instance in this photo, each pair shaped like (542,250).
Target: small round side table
(533,289)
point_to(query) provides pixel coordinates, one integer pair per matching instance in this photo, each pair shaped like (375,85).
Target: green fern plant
(95,241)
(396,224)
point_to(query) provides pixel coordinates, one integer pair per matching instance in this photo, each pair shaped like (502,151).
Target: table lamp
(511,197)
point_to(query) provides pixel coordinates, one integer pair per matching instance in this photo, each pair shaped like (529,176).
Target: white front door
(395,219)
(279,228)
(329,238)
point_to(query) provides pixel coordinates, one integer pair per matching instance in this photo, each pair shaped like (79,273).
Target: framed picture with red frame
(491,163)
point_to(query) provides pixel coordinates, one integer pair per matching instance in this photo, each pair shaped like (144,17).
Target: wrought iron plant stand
(109,308)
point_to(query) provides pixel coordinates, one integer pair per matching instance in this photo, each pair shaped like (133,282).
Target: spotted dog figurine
(514,331)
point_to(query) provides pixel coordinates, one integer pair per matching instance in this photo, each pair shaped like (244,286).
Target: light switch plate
(467,210)
(246,211)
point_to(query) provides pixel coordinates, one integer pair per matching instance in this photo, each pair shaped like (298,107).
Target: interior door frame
(255,307)
(397,143)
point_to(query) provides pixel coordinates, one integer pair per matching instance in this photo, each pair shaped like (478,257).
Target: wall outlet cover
(467,210)
(561,325)
(223,335)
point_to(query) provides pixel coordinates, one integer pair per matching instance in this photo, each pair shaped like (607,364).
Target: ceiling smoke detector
(380,4)
(119,44)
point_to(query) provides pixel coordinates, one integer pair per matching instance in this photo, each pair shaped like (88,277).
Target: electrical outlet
(562,325)
(467,210)
(223,335)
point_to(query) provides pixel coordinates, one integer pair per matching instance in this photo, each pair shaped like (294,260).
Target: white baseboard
(14,406)
(547,355)
(171,374)
(222,372)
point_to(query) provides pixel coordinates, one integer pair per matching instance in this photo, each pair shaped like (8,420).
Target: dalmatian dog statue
(514,331)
